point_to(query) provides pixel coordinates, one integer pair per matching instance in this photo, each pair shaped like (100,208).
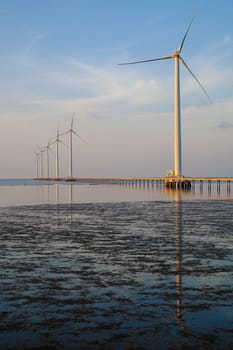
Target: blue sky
(59,57)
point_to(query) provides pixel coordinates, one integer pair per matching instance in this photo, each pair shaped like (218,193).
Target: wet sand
(139,275)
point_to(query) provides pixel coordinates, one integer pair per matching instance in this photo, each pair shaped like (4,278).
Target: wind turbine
(177,113)
(71,132)
(37,164)
(41,162)
(47,148)
(57,141)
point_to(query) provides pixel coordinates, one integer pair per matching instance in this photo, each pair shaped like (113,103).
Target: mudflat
(138,275)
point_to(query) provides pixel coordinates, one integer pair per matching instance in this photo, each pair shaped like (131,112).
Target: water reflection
(114,278)
(70,194)
(57,193)
(60,193)
(178,242)
(176,196)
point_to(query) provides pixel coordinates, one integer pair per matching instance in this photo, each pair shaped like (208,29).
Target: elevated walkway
(173,182)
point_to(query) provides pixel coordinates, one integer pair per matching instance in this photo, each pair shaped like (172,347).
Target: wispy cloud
(54,87)
(225,125)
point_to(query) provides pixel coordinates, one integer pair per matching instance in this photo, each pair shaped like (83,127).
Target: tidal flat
(132,275)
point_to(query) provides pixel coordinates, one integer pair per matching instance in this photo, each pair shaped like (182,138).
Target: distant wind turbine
(177,113)
(37,164)
(47,148)
(71,132)
(41,162)
(57,141)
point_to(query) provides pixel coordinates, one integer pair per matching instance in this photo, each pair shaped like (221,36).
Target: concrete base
(177,183)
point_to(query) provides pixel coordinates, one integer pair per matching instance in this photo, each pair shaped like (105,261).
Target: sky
(59,58)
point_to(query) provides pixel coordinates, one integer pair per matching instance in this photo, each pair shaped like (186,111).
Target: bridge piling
(177,183)
(209,186)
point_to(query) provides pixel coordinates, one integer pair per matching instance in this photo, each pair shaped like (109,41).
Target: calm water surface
(122,268)
(24,191)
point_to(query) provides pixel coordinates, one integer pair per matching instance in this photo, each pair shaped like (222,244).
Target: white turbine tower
(47,149)
(41,162)
(71,132)
(57,141)
(37,164)
(177,113)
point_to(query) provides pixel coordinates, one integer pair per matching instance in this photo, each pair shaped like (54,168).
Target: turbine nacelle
(176,53)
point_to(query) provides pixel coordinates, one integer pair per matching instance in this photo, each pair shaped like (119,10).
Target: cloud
(49,89)
(105,91)
(225,125)
(213,67)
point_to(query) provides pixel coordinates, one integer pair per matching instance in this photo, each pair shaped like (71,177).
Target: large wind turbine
(71,132)
(177,113)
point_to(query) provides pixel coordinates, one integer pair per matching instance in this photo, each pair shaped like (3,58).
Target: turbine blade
(52,139)
(150,60)
(64,133)
(186,33)
(61,142)
(52,143)
(72,122)
(199,83)
(79,136)
(49,143)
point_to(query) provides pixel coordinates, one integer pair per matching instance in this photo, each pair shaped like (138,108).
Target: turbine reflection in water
(178,242)
(57,194)
(178,223)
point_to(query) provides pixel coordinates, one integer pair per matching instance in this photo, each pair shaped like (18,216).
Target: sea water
(136,268)
(17,192)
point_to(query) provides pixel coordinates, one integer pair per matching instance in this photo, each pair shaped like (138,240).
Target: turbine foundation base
(177,183)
